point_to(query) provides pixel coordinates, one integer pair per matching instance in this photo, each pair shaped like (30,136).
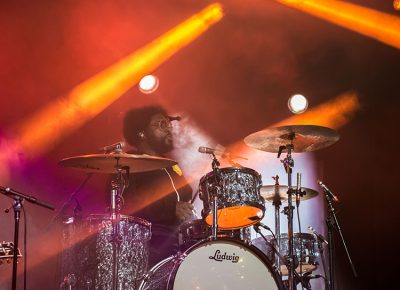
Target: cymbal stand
(215,194)
(288,163)
(18,200)
(117,188)
(277,203)
(332,223)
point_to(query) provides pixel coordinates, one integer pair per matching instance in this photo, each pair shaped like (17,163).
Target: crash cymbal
(268,192)
(305,138)
(108,163)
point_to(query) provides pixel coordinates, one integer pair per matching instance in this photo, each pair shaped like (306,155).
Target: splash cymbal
(305,138)
(109,163)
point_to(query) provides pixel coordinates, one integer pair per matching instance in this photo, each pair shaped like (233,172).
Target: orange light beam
(375,24)
(45,128)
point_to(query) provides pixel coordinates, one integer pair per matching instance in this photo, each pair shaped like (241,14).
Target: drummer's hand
(184,210)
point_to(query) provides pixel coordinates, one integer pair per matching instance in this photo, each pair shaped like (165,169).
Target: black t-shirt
(151,196)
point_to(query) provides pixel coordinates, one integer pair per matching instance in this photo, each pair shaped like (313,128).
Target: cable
(173,185)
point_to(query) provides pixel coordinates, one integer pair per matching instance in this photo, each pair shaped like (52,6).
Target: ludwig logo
(220,257)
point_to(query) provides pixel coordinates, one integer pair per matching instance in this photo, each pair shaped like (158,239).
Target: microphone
(174,118)
(328,191)
(117,147)
(319,236)
(207,150)
(223,153)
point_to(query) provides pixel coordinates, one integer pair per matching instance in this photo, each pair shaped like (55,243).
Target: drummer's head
(149,129)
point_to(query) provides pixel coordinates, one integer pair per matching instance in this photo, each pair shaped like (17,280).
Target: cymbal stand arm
(216,192)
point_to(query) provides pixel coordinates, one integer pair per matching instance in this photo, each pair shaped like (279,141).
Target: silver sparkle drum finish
(87,257)
(239,201)
(194,231)
(214,265)
(305,249)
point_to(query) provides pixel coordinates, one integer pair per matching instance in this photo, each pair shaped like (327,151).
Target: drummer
(151,195)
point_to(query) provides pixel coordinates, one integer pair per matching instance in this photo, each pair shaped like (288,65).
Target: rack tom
(239,201)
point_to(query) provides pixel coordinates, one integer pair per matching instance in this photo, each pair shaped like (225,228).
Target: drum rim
(123,217)
(232,169)
(180,258)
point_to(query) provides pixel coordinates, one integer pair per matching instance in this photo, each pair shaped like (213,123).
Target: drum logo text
(220,257)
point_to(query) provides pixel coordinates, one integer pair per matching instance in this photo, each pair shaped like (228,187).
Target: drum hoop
(240,203)
(106,217)
(274,272)
(305,236)
(231,170)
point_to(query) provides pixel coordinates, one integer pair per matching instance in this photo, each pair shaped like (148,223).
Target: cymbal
(305,138)
(268,192)
(108,163)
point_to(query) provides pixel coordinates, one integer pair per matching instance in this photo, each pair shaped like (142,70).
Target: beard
(162,145)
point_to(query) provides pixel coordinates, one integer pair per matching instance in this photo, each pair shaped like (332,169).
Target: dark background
(233,80)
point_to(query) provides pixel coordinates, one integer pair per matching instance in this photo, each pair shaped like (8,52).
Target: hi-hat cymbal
(109,163)
(268,193)
(305,138)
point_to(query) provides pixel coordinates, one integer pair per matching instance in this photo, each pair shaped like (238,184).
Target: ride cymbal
(305,138)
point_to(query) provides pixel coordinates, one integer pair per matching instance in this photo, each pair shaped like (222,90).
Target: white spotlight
(297,104)
(148,84)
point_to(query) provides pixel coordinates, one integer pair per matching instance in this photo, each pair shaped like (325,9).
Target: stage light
(378,25)
(396,5)
(297,104)
(148,84)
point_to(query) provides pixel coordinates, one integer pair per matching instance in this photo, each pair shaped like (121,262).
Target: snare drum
(305,249)
(87,254)
(239,201)
(214,265)
(194,231)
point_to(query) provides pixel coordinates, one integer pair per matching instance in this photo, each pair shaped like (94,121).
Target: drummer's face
(159,134)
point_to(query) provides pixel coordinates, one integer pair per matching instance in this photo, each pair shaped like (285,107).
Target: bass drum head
(215,265)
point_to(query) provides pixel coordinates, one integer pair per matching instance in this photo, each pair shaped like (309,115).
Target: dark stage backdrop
(232,81)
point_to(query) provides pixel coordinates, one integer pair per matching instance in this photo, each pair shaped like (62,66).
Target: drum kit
(215,252)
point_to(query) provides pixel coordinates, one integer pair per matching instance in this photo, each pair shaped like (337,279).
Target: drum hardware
(332,223)
(19,197)
(295,138)
(118,163)
(7,250)
(298,278)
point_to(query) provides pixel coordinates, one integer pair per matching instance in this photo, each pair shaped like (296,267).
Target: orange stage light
(378,25)
(44,129)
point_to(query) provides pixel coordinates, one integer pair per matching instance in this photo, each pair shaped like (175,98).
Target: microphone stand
(214,226)
(18,199)
(332,222)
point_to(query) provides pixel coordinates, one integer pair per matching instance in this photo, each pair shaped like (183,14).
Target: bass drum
(214,265)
